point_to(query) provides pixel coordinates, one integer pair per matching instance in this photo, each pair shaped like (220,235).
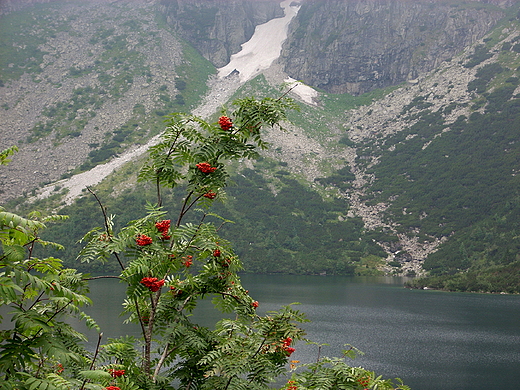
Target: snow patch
(306,93)
(263,48)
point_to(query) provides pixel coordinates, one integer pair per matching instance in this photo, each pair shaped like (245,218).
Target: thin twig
(229,382)
(286,92)
(103,209)
(93,359)
(102,277)
(119,260)
(159,170)
(158,189)
(37,300)
(167,352)
(139,316)
(184,210)
(107,226)
(319,354)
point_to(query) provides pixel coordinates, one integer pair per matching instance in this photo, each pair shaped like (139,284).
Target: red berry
(143,240)
(205,167)
(225,123)
(210,195)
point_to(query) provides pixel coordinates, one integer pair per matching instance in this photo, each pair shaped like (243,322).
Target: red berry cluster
(163,227)
(187,261)
(206,167)
(153,284)
(364,381)
(210,195)
(255,304)
(216,252)
(116,373)
(291,385)
(143,240)
(225,263)
(286,346)
(225,123)
(112,388)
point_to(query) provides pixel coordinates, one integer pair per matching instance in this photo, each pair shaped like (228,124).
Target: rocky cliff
(358,45)
(349,46)
(217,28)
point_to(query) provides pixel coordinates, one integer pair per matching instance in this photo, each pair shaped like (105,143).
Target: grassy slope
(465,181)
(473,193)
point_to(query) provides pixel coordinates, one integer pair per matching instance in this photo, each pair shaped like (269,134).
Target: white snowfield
(263,48)
(306,93)
(257,55)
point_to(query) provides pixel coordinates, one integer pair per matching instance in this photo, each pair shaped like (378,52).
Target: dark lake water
(432,340)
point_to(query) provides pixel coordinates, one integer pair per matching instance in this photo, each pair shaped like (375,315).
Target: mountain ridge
(357,46)
(365,151)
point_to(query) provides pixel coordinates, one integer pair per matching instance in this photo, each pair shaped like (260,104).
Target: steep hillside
(419,177)
(82,82)
(432,166)
(439,161)
(218,28)
(359,45)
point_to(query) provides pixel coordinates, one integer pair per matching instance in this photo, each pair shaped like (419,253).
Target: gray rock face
(218,28)
(359,45)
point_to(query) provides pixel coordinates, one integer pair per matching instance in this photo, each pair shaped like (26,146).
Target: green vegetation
(480,54)
(169,266)
(341,103)
(5,154)
(294,231)
(291,230)
(117,64)
(192,77)
(21,34)
(316,122)
(116,69)
(460,177)
(491,244)
(484,76)
(341,179)
(459,181)
(69,118)
(191,84)
(495,279)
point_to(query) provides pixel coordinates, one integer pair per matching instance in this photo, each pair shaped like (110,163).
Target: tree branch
(93,359)
(103,210)
(163,357)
